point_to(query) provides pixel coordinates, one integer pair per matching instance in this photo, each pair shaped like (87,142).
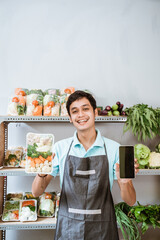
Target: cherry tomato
(68,91)
(51,104)
(35,103)
(22,93)
(15,99)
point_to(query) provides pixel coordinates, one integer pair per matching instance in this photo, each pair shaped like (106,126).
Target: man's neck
(87,138)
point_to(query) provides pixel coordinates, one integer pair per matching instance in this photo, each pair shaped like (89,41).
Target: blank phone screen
(126,157)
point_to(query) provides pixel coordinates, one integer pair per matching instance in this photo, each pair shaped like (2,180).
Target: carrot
(22,100)
(42,159)
(35,103)
(37,111)
(15,99)
(51,104)
(47,111)
(29,158)
(26,203)
(37,160)
(32,164)
(49,158)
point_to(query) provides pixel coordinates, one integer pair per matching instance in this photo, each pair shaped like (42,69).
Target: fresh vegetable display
(39,153)
(51,105)
(47,205)
(146,215)
(65,93)
(28,210)
(34,104)
(115,110)
(13,157)
(130,218)
(11,211)
(144,121)
(127,225)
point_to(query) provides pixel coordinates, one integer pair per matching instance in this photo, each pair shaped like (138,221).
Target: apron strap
(105,148)
(69,148)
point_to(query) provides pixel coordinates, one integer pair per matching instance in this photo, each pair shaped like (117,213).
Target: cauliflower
(154,160)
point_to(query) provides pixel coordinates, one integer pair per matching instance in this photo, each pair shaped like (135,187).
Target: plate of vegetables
(28,210)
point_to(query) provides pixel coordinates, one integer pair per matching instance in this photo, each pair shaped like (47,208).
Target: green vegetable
(32,208)
(143,120)
(20,110)
(12,205)
(146,215)
(127,225)
(142,154)
(158,148)
(45,213)
(33,153)
(36,91)
(116,113)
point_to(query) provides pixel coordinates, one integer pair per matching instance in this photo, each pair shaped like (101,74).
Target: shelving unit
(41,223)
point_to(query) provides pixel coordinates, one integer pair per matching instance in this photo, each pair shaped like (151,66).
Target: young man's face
(82,114)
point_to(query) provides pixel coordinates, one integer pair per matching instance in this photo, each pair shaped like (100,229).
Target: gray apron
(86,210)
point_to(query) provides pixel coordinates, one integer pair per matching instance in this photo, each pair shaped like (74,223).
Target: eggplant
(118,103)
(108,108)
(103,112)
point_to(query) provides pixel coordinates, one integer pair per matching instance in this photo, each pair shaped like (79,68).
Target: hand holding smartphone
(126,157)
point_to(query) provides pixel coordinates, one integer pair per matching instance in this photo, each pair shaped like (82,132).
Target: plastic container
(17,106)
(14,196)
(39,153)
(34,104)
(13,157)
(52,91)
(47,204)
(51,105)
(28,210)
(11,211)
(63,101)
(29,195)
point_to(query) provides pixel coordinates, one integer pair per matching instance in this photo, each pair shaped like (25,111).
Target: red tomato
(35,103)
(15,99)
(22,93)
(51,104)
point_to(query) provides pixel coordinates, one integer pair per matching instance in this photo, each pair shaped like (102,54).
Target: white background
(111,47)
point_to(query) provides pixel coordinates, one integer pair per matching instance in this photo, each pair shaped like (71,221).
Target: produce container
(11,211)
(34,104)
(63,101)
(47,204)
(28,210)
(52,91)
(51,105)
(29,195)
(14,196)
(23,160)
(13,157)
(68,90)
(39,153)
(17,106)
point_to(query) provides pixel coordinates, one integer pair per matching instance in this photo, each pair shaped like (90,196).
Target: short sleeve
(116,161)
(55,162)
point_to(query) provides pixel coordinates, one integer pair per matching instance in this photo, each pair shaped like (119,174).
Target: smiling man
(87,164)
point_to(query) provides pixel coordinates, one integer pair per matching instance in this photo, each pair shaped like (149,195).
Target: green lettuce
(142,154)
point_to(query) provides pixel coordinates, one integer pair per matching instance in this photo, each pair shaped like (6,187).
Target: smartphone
(126,158)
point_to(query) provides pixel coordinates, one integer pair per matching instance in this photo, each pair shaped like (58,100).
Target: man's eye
(86,109)
(74,111)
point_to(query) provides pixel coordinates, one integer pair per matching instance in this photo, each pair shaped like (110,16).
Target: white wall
(110,47)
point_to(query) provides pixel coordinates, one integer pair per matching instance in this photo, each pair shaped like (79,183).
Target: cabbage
(142,154)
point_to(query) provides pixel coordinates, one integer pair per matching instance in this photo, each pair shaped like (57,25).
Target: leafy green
(33,153)
(36,91)
(142,154)
(45,213)
(32,208)
(127,225)
(20,110)
(158,148)
(12,205)
(143,120)
(146,215)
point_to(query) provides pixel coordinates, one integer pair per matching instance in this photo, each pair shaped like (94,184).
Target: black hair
(78,95)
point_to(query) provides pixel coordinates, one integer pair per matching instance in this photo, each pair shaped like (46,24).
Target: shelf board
(149,172)
(10,171)
(6,171)
(41,223)
(31,119)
